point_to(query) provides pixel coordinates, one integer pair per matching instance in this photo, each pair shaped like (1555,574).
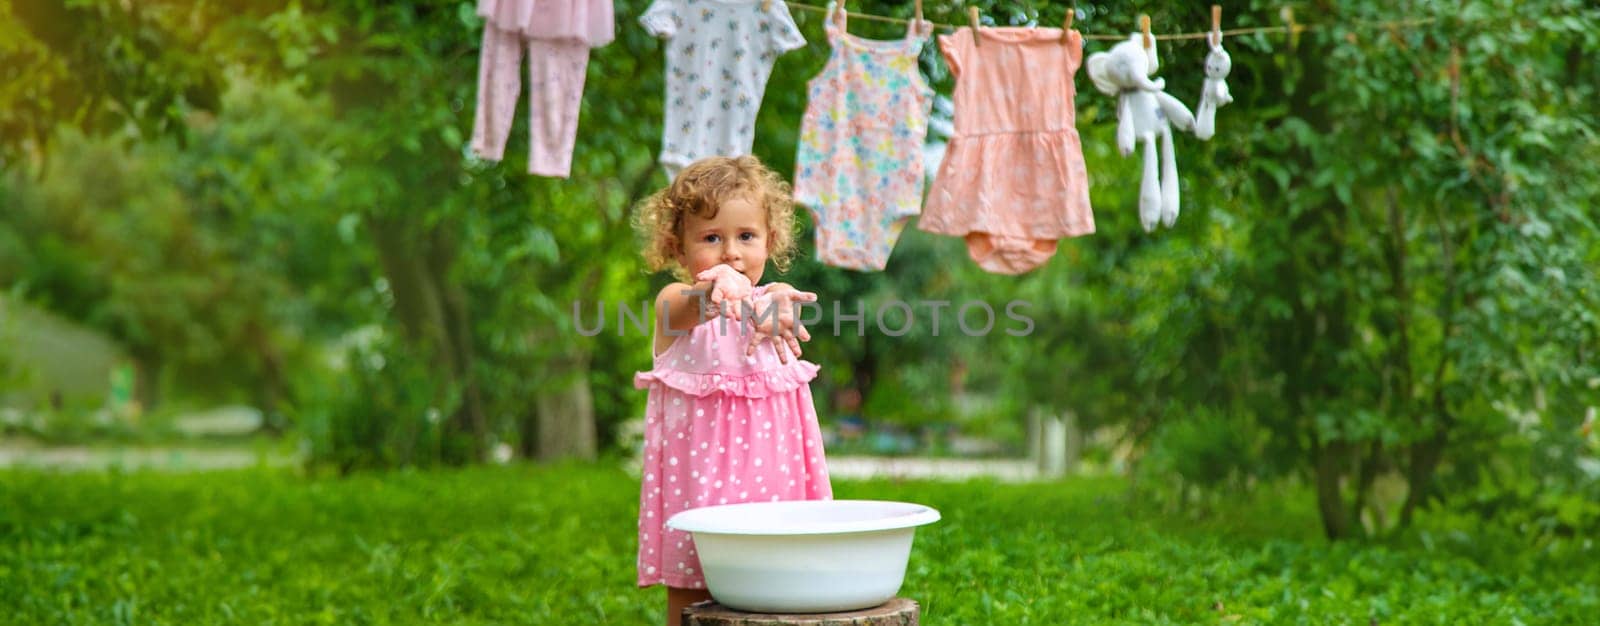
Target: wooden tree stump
(895,612)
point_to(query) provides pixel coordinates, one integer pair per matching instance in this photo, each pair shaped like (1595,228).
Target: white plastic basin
(811,556)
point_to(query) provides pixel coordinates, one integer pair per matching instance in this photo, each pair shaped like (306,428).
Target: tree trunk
(470,418)
(1425,456)
(866,369)
(564,412)
(433,313)
(1330,459)
(1366,477)
(270,386)
(1318,331)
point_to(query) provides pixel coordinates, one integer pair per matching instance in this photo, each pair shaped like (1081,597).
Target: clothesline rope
(1227,32)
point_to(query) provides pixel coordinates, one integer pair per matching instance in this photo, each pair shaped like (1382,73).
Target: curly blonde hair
(700,189)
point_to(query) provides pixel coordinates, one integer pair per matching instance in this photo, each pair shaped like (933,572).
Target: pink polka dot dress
(721,428)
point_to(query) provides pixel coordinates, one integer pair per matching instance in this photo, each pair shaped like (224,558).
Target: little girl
(730,417)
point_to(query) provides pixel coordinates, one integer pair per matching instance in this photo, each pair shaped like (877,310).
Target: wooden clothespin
(1294,29)
(972,18)
(1144,27)
(916,22)
(1066,24)
(1216,25)
(766,5)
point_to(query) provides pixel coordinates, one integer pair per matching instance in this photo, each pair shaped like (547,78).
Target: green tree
(1380,269)
(99,66)
(1385,265)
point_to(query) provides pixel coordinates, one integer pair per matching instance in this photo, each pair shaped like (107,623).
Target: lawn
(554,545)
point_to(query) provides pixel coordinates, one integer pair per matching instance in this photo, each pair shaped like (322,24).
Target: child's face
(737,236)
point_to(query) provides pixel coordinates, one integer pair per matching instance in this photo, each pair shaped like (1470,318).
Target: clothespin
(916,22)
(1066,25)
(1294,29)
(972,18)
(1216,25)
(1144,27)
(766,5)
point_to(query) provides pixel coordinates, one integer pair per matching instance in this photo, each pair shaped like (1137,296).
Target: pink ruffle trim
(1023,184)
(758,385)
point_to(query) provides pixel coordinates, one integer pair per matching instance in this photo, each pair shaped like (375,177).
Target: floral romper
(859,166)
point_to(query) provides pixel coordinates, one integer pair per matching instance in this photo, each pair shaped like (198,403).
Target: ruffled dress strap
(917,33)
(834,21)
(711,359)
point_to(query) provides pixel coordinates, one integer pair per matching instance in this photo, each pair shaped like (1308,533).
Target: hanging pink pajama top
(721,428)
(556,36)
(587,21)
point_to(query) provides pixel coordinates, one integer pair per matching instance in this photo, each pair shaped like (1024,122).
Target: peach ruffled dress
(1013,179)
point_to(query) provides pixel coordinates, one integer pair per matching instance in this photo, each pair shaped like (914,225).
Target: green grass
(534,545)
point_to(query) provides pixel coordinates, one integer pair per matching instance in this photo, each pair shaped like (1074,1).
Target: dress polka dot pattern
(721,428)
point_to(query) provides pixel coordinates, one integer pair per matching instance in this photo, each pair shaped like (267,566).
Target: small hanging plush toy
(1146,113)
(1214,94)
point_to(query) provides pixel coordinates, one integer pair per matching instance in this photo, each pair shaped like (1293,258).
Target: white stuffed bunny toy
(1214,94)
(1144,113)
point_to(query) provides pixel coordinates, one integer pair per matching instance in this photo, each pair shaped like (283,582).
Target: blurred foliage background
(1383,284)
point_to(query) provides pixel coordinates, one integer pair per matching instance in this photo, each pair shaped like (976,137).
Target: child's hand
(728,287)
(780,325)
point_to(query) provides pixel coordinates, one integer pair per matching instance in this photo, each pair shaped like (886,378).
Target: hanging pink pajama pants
(555,92)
